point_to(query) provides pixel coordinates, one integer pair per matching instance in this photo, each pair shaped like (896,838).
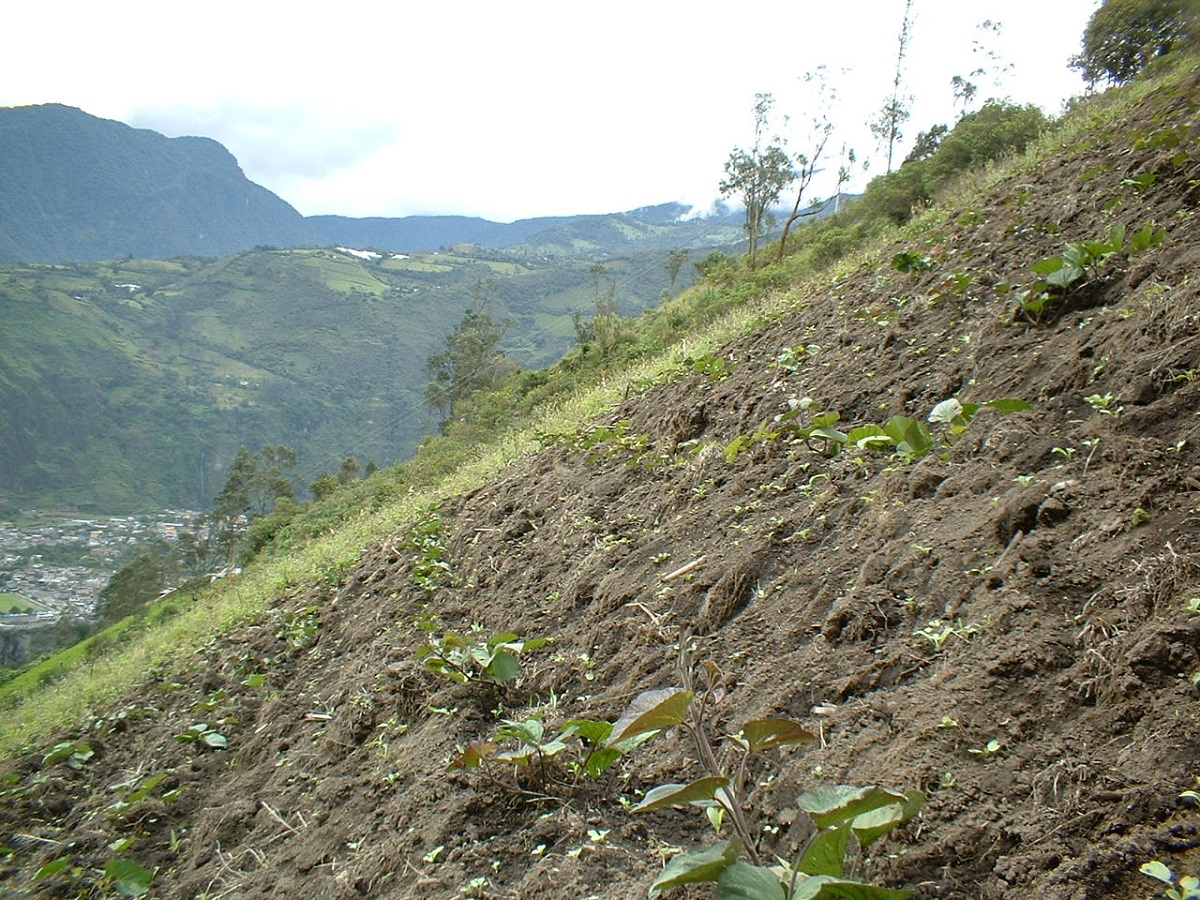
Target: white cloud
(506,110)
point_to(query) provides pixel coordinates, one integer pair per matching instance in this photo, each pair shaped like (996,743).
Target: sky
(525,108)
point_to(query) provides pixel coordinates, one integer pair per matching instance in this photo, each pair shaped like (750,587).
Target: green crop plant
(991,748)
(904,437)
(1186,887)
(1105,404)
(136,792)
(204,735)
(123,877)
(299,627)
(1079,263)
(910,262)
(75,754)
(581,748)
(843,816)
(430,568)
(791,359)
(601,442)
(471,657)
(938,632)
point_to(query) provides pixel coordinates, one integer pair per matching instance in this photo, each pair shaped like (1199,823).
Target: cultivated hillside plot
(1004,620)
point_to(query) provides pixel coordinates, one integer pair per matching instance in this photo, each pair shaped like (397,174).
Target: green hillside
(130,384)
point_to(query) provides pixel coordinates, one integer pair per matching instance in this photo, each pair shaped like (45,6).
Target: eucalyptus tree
(757,175)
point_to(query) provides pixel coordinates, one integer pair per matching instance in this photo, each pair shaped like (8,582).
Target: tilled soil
(1002,624)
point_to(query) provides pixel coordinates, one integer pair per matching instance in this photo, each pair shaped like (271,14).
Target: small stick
(683,570)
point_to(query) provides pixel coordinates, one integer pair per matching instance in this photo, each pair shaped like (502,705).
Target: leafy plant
(909,262)
(74,754)
(582,748)
(903,436)
(838,814)
(1080,262)
(465,658)
(136,792)
(1187,887)
(430,568)
(938,632)
(1105,404)
(203,734)
(299,627)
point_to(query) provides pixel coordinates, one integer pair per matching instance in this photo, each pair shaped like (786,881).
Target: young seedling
(991,748)
(201,733)
(838,814)
(1105,404)
(465,658)
(1186,887)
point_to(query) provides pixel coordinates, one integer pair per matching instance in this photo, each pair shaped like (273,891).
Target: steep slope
(74,186)
(1000,623)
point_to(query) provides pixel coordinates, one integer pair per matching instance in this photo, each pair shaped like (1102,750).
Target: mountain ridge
(78,188)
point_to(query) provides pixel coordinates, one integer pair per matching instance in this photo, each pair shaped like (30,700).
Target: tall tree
(471,360)
(758,175)
(675,261)
(888,123)
(1123,36)
(807,162)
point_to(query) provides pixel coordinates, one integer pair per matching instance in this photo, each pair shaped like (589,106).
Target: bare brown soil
(1059,545)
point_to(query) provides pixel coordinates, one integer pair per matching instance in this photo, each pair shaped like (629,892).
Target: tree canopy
(1124,36)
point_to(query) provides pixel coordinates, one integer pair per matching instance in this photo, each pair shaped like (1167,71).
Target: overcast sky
(517,109)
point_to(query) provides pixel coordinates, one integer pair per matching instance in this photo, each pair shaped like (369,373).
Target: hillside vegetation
(934,508)
(129,385)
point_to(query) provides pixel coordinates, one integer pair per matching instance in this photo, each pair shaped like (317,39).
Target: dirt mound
(1000,623)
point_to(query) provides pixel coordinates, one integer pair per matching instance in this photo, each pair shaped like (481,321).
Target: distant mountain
(76,187)
(663,227)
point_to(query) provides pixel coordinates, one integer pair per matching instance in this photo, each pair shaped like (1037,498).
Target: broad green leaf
(503,667)
(594,731)
(531,731)
(736,446)
(705,864)
(1156,869)
(1009,405)
(1149,237)
(1064,276)
(826,887)
(869,437)
(1049,266)
(651,711)
(911,436)
(826,855)
(826,418)
(129,879)
(871,826)
(503,637)
(143,790)
(600,759)
(742,881)
(827,806)
(946,411)
(828,434)
(52,868)
(763,734)
(674,794)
